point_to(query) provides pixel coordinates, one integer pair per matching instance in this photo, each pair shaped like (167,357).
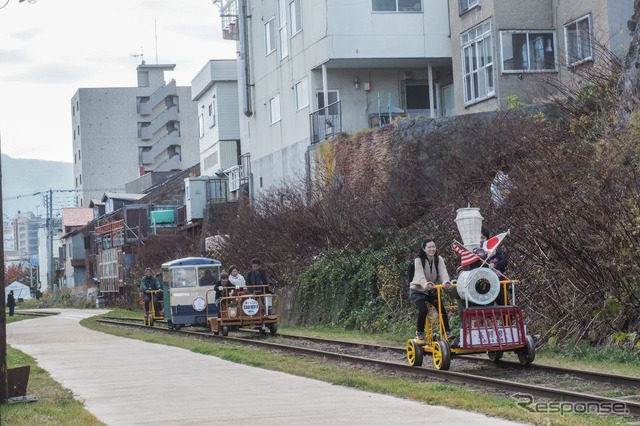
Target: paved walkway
(130,382)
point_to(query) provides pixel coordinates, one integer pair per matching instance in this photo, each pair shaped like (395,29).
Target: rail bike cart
(484,328)
(251,307)
(153,314)
(187,287)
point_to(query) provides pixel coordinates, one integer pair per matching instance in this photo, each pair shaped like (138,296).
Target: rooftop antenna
(140,55)
(155,23)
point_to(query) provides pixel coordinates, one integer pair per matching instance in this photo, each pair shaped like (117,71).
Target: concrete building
(48,252)
(73,256)
(508,49)
(215,90)
(25,227)
(310,70)
(122,133)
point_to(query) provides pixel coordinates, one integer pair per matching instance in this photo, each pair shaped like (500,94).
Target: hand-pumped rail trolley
(192,296)
(484,329)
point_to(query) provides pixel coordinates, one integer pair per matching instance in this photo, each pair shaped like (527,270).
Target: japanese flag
(492,243)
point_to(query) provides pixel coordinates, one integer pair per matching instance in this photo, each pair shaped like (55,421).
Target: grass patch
(55,405)
(419,389)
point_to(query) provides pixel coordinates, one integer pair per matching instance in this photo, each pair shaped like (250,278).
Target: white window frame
(320,96)
(466,5)
(531,65)
(295,16)
(576,38)
(478,81)
(201,125)
(301,93)
(398,7)
(274,109)
(269,36)
(212,114)
(283,31)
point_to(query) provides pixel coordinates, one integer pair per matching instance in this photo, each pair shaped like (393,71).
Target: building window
(274,109)
(333,97)
(396,5)
(477,63)
(295,17)
(201,125)
(464,5)
(269,36)
(212,114)
(528,51)
(302,93)
(282,32)
(577,35)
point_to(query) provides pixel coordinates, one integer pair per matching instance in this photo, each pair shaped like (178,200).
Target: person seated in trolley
(430,269)
(207,278)
(236,278)
(185,278)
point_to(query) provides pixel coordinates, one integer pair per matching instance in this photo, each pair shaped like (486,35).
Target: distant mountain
(25,182)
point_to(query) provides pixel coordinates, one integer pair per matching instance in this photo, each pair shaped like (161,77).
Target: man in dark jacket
(11,303)
(148,283)
(258,276)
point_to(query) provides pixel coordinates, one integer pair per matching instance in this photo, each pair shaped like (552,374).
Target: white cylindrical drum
(469,222)
(480,286)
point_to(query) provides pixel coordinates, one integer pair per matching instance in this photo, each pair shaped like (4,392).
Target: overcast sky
(51,48)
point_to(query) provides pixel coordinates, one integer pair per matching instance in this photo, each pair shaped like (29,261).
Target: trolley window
(183,277)
(208,275)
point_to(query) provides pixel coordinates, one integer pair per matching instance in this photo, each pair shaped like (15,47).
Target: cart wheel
(225,330)
(273,328)
(414,353)
(527,354)
(151,322)
(495,356)
(169,325)
(441,355)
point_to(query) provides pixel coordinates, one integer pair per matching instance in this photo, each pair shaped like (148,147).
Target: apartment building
(215,91)
(511,48)
(72,248)
(120,134)
(310,70)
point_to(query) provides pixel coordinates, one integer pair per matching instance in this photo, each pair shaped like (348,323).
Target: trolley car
(191,297)
(188,293)
(484,329)
(252,307)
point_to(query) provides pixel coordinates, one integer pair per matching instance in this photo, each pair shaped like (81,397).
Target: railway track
(395,363)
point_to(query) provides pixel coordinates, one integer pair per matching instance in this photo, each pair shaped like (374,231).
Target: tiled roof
(121,196)
(76,216)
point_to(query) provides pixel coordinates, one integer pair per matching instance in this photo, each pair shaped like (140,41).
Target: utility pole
(3,315)
(50,228)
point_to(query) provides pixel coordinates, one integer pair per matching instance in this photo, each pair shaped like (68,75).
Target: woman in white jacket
(430,269)
(235,278)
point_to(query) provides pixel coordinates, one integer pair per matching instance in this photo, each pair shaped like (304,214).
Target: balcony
(170,114)
(146,108)
(326,122)
(148,157)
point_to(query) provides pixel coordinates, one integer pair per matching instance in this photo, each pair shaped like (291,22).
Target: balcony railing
(326,122)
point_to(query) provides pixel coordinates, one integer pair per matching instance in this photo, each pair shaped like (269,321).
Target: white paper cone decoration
(469,222)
